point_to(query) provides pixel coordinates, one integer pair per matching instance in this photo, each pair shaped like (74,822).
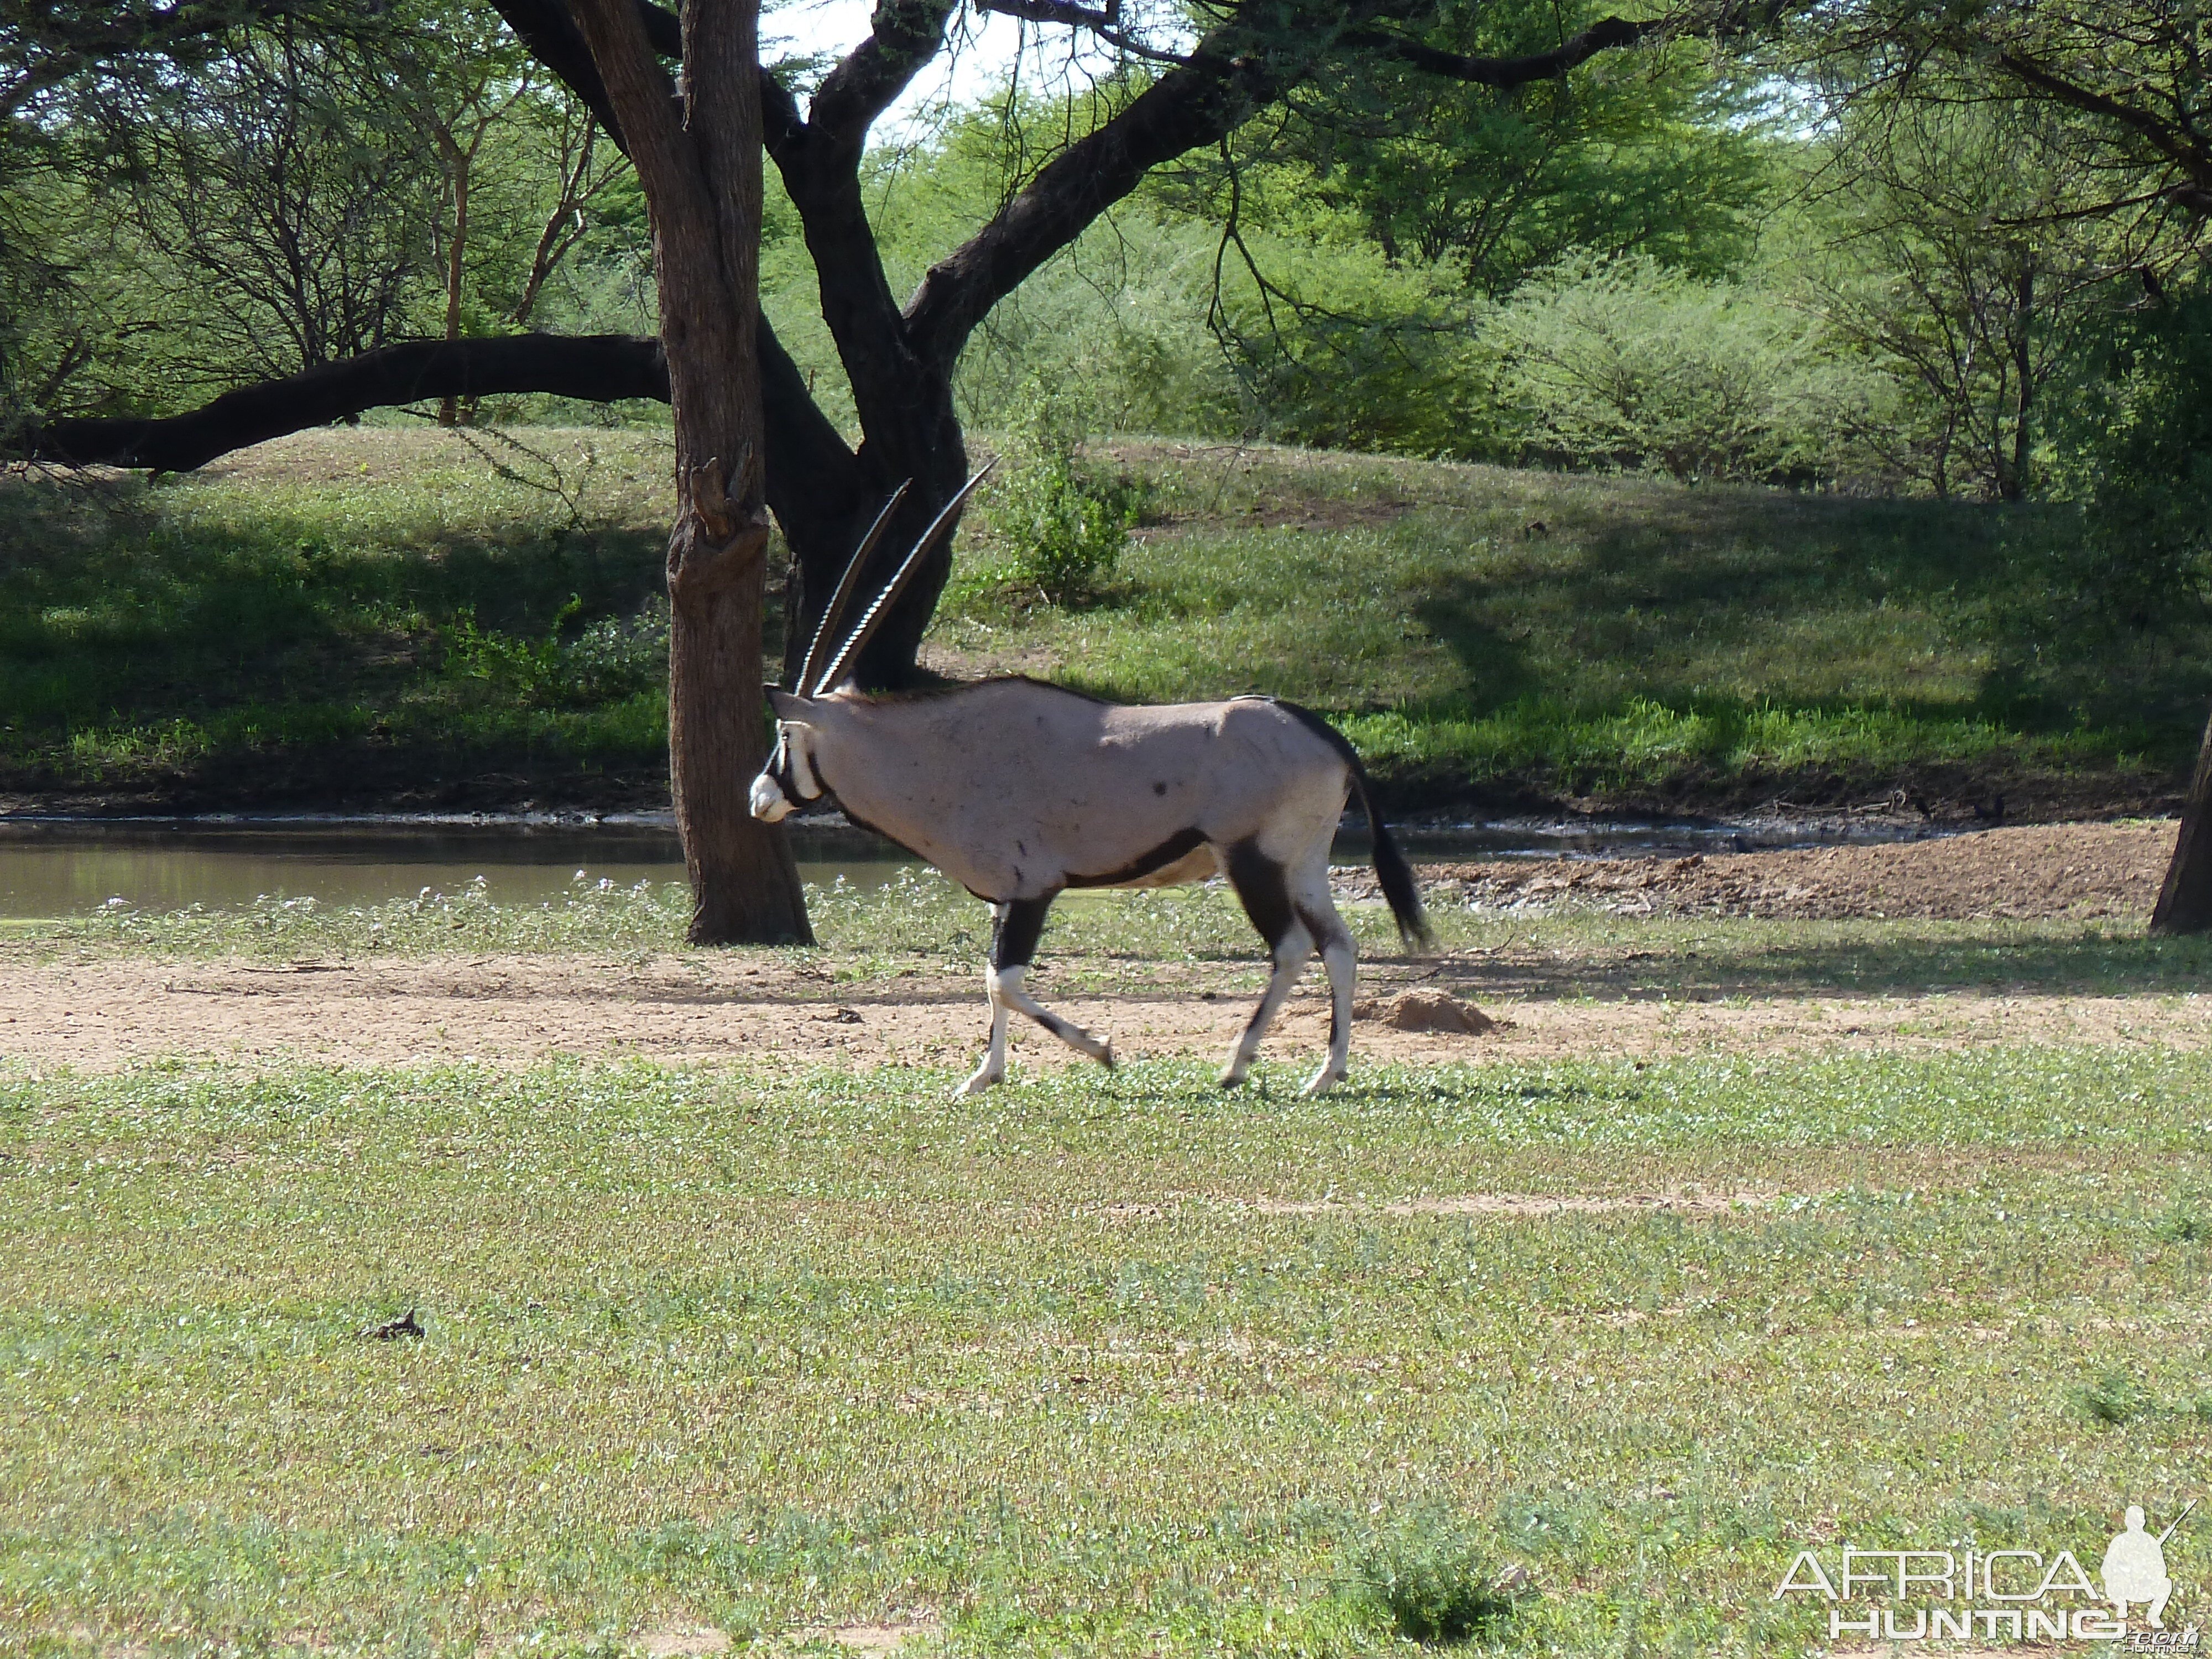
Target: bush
(2115,1398)
(2135,446)
(1630,364)
(1434,1581)
(608,660)
(1065,523)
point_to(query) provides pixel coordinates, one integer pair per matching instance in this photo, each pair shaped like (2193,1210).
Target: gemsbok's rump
(1019,790)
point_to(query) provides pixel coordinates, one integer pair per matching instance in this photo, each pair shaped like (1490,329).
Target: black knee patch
(1263,891)
(1326,930)
(1016,930)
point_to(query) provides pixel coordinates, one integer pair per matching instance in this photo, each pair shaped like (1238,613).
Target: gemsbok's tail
(1390,866)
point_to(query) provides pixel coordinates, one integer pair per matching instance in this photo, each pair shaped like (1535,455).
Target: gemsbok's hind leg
(1264,891)
(1015,929)
(1309,898)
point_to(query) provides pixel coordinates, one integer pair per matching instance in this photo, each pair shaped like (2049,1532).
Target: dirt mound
(2084,870)
(1427,1011)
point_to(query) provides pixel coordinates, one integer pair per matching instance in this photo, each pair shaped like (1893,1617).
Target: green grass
(768,1351)
(1495,637)
(378,617)
(374,617)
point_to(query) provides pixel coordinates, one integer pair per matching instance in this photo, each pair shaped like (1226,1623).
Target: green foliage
(1964,259)
(1436,1582)
(2138,416)
(1063,521)
(1658,153)
(1633,364)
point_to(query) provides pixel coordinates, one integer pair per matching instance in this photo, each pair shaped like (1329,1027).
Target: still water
(56,868)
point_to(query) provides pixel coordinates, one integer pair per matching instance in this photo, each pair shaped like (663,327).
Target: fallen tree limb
(598,367)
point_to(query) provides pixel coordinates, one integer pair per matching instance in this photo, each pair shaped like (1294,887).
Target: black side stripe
(1179,845)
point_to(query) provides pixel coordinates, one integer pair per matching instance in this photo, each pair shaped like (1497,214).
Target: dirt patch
(1534,1205)
(515,1010)
(873,1638)
(683,1642)
(2083,871)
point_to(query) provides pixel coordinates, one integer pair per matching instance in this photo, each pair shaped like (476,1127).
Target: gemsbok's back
(1019,790)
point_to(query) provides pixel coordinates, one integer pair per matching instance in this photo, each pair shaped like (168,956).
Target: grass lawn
(763,1352)
(378,617)
(1099,1363)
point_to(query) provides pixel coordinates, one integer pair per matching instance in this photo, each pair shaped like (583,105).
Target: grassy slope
(292,626)
(1495,637)
(292,630)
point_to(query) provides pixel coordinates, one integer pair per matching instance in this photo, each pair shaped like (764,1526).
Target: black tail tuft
(1397,879)
(1390,866)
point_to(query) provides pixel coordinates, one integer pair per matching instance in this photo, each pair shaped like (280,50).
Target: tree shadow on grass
(143,647)
(2097,959)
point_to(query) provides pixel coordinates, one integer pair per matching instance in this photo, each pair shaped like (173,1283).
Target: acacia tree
(2130,73)
(1180,92)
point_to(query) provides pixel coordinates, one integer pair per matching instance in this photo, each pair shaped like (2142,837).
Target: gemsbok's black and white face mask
(789,781)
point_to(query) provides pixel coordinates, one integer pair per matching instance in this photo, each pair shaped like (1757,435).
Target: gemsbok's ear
(786,706)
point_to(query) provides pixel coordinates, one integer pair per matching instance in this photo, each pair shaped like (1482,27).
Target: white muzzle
(769,804)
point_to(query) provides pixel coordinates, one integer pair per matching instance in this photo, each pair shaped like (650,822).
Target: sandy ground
(507,1010)
(514,1010)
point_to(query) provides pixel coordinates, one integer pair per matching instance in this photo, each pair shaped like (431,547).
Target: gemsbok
(1018,790)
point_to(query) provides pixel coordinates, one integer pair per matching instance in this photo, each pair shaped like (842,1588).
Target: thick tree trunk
(744,885)
(703,184)
(2185,901)
(921,442)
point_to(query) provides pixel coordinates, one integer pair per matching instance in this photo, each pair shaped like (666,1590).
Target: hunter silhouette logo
(2005,1595)
(2134,1568)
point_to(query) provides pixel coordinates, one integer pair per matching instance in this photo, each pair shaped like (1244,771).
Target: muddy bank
(2085,870)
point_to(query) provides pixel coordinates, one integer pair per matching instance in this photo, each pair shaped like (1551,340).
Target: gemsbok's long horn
(874,616)
(834,612)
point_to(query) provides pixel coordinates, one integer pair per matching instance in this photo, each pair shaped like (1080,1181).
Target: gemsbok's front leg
(1015,929)
(992,1067)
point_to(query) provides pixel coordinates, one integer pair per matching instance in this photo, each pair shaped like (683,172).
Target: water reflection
(59,867)
(54,870)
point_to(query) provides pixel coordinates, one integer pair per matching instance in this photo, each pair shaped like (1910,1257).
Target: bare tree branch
(2169,141)
(599,368)
(1608,34)
(904,35)
(1194,105)
(1105,24)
